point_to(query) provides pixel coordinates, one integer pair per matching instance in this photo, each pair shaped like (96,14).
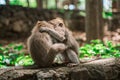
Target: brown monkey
(41,46)
(70,54)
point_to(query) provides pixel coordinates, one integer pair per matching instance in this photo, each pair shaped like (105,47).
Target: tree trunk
(46,4)
(39,4)
(7,2)
(28,3)
(94,20)
(118,5)
(56,4)
(75,4)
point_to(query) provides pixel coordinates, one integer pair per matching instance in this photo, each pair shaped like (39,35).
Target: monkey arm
(71,42)
(72,56)
(53,33)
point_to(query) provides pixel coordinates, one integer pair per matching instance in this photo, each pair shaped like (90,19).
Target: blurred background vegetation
(52,4)
(18,17)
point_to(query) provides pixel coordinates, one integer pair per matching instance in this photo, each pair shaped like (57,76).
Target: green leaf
(18,47)
(117,55)
(96,41)
(2,48)
(26,60)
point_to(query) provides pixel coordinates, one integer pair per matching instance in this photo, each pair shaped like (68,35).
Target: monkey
(41,46)
(71,54)
(73,47)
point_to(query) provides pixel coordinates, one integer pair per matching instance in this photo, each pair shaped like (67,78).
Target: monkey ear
(60,24)
(35,28)
(38,22)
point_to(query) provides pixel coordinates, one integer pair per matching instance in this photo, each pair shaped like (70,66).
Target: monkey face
(58,25)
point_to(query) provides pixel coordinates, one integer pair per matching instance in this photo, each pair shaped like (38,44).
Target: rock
(103,69)
(17,26)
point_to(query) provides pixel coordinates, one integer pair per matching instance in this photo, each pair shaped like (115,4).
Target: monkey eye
(60,24)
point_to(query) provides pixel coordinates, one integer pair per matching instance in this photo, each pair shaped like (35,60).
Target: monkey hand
(43,29)
(59,47)
(52,33)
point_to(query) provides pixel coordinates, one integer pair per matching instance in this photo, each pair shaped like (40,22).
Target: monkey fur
(41,46)
(71,53)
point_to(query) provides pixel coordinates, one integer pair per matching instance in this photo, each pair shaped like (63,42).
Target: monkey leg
(65,59)
(54,50)
(73,57)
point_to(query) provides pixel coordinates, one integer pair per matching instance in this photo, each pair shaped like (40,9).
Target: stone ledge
(103,69)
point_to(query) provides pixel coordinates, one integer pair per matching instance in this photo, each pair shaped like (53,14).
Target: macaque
(41,46)
(71,53)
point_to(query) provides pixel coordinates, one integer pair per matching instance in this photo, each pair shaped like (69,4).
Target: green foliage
(107,15)
(98,48)
(32,3)
(12,55)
